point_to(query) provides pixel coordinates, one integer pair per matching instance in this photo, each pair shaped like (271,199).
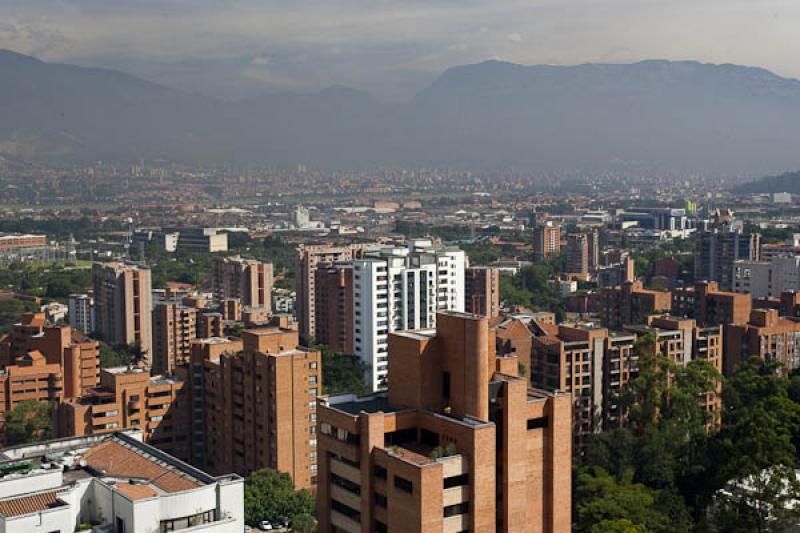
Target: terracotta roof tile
(117,460)
(30,504)
(136,491)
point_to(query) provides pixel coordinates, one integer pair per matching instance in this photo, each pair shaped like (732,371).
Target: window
(403,484)
(537,423)
(457,509)
(379,472)
(312,380)
(346,484)
(446,385)
(347,511)
(456,481)
(380,500)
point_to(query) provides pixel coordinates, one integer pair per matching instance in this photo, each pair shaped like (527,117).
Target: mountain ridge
(653,115)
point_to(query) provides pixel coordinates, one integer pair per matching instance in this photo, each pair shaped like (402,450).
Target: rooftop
(355,405)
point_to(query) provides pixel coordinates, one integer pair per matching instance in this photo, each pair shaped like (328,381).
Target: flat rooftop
(355,405)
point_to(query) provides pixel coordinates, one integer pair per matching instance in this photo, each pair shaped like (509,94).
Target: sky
(391,48)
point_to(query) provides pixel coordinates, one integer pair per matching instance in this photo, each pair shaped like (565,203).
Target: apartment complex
(710,306)
(397,289)
(81,313)
(123,305)
(132,398)
(482,291)
(631,303)
(308,260)
(766,334)
(578,254)
(174,329)
(254,404)
(248,280)
(15,241)
(334,307)
(719,246)
(547,238)
(765,279)
(117,483)
(680,340)
(459,442)
(591,364)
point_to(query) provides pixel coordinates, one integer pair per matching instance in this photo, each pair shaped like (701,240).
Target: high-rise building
(719,246)
(254,404)
(764,279)
(631,303)
(308,259)
(459,442)
(681,341)
(547,238)
(132,398)
(768,335)
(81,313)
(593,237)
(616,274)
(174,329)
(334,307)
(578,254)
(123,305)
(589,363)
(248,280)
(710,306)
(396,289)
(482,291)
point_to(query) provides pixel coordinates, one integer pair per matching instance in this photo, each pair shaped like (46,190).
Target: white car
(265,526)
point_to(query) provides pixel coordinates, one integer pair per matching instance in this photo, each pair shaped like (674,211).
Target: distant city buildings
(720,245)
(547,238)
(764,279)
(248,280)
(578,255)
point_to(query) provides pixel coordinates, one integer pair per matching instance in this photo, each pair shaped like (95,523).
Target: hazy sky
(235,48)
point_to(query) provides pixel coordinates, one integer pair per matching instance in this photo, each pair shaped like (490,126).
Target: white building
(81,313)
(55,312)
(112,483)
(396,289)
(765,279)
(300,217)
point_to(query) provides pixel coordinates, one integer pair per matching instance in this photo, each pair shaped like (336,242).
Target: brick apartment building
(547,239)
(248,280)
(174,329)
(254,404)
(710,306)
(123,305)
(631,303)
(482,291)
(767,335)
(459,442)
(333,306)
(132,398)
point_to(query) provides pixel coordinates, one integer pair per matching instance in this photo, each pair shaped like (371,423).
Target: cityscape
(492,288)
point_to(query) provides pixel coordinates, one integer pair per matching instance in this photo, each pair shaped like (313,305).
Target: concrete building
(308,259)
(123,305)
(616,274)
(254,404)
(631,303)
(132,398)
(789,248)
(459,442)
(14,241)
(482,291)
(547,238)
(81,313)
(334,307)
(396,289)
(300,217)
(204,240)
(719,246)
(578,255)
(768,335)
(116,482)
(248,280)
(174,330)
(710,306)
(765,279)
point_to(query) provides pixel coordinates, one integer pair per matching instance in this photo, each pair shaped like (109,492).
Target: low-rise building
(114,483)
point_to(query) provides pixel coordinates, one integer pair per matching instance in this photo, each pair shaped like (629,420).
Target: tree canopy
(270,495)
(28,421)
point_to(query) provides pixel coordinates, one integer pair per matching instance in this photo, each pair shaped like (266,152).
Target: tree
(270,495)
(609,502)
(113,356)
(304,523)
(342,373)
(28,421)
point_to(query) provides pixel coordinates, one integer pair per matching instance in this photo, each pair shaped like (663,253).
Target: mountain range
(655,116)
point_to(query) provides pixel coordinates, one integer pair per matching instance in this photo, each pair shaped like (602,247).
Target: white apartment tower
(396,289)
(81,313)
